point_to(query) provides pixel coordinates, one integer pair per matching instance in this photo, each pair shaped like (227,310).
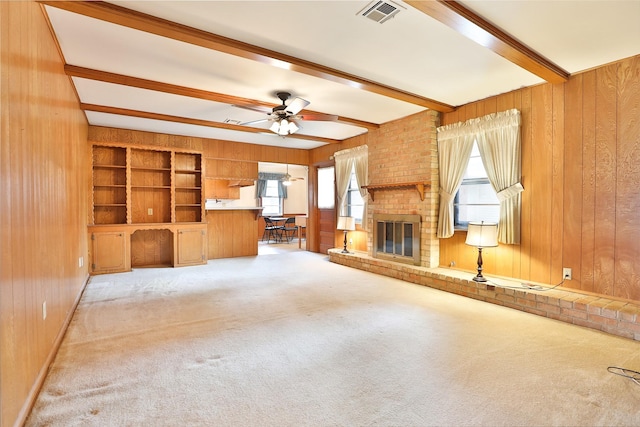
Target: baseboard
(42,375)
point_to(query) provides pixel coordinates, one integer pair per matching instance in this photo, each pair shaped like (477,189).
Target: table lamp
(346,223)
(482,235)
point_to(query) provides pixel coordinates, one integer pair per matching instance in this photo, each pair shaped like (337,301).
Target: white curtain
(347,160)
(498,141)
(455,143)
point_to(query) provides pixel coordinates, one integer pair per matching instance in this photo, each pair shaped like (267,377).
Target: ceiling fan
(284,116)
(287,179)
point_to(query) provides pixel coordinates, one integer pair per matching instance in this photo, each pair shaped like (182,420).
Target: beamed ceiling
(212,68)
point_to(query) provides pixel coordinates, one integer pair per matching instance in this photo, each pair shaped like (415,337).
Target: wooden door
(326,209)
(191,247)
(109,252)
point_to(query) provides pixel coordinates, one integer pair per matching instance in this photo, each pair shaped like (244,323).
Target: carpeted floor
(294,340)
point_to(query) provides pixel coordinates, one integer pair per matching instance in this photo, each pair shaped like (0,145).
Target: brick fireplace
(403,170)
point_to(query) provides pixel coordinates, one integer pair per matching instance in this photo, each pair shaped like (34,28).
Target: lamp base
(344,250)
(479,279)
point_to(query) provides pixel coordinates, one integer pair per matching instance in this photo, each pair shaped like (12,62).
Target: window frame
(348,200)
(268,189)
(484,180)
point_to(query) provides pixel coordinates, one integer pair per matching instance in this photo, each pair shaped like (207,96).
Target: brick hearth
(617,317)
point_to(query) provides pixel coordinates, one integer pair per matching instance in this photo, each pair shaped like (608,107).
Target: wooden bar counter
(232,231)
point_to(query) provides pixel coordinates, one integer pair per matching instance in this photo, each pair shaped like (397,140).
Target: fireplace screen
(397,237)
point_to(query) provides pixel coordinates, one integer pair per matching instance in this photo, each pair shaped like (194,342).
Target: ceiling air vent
(380,11)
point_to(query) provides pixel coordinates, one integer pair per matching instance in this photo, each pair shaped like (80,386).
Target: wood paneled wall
(210,148)
(232,233)
(580,171)
(44,193)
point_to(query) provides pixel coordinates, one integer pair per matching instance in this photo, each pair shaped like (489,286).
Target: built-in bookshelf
(150,186)
(148,208)
(140,186)
(109,185)
(188,187)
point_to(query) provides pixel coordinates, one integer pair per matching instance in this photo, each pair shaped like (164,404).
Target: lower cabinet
(113,247)
(110,252)
(191,247)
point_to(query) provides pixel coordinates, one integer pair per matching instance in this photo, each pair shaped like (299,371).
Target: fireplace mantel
(419,186)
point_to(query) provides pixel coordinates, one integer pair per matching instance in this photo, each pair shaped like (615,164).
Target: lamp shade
(347,223)
(482,234)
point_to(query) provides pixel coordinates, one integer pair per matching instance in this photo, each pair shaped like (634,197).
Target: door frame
(313,223)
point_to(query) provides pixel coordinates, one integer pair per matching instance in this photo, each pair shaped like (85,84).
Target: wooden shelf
(138,168)
(419,186)
(109,167)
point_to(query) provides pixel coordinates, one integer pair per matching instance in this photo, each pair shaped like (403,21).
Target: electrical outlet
(566,273)
(150,211)
(44,310)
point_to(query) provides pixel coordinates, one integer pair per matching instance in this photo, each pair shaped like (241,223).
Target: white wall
(297,197)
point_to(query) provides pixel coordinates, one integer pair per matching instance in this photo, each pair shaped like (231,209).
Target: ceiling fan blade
(253,122)
(296,106)
(318,117)
(257,108)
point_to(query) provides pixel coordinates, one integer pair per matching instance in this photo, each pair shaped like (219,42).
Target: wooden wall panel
(605,180)
(588,143)
(232,233)
(541,182)
(44,188)
(627,269)
(580,156)
(557,182)
(527,172)
(572,189)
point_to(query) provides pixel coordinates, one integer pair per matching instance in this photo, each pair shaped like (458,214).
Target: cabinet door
(110,252)
(191,247)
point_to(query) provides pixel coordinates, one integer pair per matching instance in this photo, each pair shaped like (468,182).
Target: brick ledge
(613,316)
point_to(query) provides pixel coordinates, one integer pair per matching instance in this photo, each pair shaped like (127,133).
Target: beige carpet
(294,340)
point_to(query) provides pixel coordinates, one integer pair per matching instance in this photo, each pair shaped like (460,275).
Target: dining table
(278,221)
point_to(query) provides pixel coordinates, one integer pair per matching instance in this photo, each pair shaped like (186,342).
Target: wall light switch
(150,211)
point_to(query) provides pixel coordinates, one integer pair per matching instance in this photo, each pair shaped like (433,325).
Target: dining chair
(289,228)
(271,230)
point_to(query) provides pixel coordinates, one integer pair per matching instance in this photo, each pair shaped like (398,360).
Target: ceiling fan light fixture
(284,127)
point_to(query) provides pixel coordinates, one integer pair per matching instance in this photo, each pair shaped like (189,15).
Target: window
(326,188)
(355,204)
(476,199)
(271,201)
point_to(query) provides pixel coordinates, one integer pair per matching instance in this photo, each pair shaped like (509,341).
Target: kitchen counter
(233,208)
(232,231)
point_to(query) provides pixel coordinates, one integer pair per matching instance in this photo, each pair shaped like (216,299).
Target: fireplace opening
(397,237)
